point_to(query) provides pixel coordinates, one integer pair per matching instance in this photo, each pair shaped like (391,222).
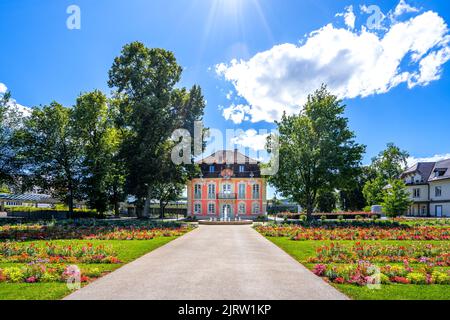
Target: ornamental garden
(39,260)
(407,259)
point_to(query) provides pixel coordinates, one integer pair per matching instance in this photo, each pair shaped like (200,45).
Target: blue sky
(42,60)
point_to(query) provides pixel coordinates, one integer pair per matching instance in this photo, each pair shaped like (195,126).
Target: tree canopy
(317,150)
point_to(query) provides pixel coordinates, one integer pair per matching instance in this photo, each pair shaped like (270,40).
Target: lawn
(105,250)
(303,250)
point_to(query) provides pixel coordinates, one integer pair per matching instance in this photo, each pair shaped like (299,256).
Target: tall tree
(396,199)
(10,120)
(150,109)
(100,141)
(52,153)
(388,165)
(317,150)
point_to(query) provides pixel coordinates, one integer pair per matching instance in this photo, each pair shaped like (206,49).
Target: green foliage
(388,165)
(317,150)
(396,199)
(100,142)
(150,109)
(50,152)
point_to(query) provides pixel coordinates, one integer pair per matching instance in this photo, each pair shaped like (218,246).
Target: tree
(100,141)
(9,122)
(150,109)
(388,165)
(391,162)
(146,79)
(326,201)
(317,150)
(50,152)
(396,199)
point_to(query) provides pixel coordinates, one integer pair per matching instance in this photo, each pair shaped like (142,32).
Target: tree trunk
(162,208)
(71,215)
(148,200)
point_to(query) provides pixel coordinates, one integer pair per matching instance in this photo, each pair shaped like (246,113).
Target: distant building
(429,186)
(229,186)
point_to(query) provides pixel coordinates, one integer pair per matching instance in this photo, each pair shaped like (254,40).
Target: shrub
(358,217)
(303,218)
(374,217)
(341,218)
(323,218)
(14,274)
(417,278)
(440,278)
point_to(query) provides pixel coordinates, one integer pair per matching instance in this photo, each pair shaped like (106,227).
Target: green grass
(302,250)
(127,251)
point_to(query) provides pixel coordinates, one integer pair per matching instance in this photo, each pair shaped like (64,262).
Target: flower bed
(299,233)
(88,232)
(364,273)
(438,255)
(50,253)
(34,273)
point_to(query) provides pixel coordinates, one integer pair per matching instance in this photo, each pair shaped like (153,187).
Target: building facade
(230,186)
(429,186)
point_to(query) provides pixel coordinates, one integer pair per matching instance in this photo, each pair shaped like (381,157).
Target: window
(255,208)
(211,208)
(198,191)
(226,188)
(416,193)
(242,208)
(211,191)
(197,208)
(438,191)
(242,191)
(241,169)
(212,169)
(256,190)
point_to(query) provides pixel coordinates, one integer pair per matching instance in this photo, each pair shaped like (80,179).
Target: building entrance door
(439,211)
(227,212)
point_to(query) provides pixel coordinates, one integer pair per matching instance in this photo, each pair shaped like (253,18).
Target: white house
(429,186)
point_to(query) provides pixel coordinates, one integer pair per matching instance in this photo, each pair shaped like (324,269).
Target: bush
(303,218)
(323,218)
(417,278)
(341,218)
(375,217)
(358,217)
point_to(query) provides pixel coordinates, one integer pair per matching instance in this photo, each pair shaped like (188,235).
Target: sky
(254,59)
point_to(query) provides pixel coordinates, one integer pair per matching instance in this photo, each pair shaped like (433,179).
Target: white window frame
(212,195)
(438,191)
(197,195)
(256,191)
(213,205)
(240,195)
(254,206)
(199,211)
(240,206)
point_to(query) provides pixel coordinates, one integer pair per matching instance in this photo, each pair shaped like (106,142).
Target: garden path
(212,263)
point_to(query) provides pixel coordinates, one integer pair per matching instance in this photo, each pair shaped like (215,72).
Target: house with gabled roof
(429,186)
(230,186)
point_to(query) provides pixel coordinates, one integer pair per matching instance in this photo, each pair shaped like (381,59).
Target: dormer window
(439,173)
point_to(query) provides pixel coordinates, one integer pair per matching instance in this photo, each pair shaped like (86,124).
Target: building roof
(427,170)
(34,198)
(423,168)
(444,167)
(228,157)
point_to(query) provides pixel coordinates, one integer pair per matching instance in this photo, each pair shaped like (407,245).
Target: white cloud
(251,139)
(439,157)
(353,63)
(403,7)
(236,113)
(14,106)
(3,88)
(349,17)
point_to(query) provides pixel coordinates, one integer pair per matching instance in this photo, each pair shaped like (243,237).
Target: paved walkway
(212,263)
